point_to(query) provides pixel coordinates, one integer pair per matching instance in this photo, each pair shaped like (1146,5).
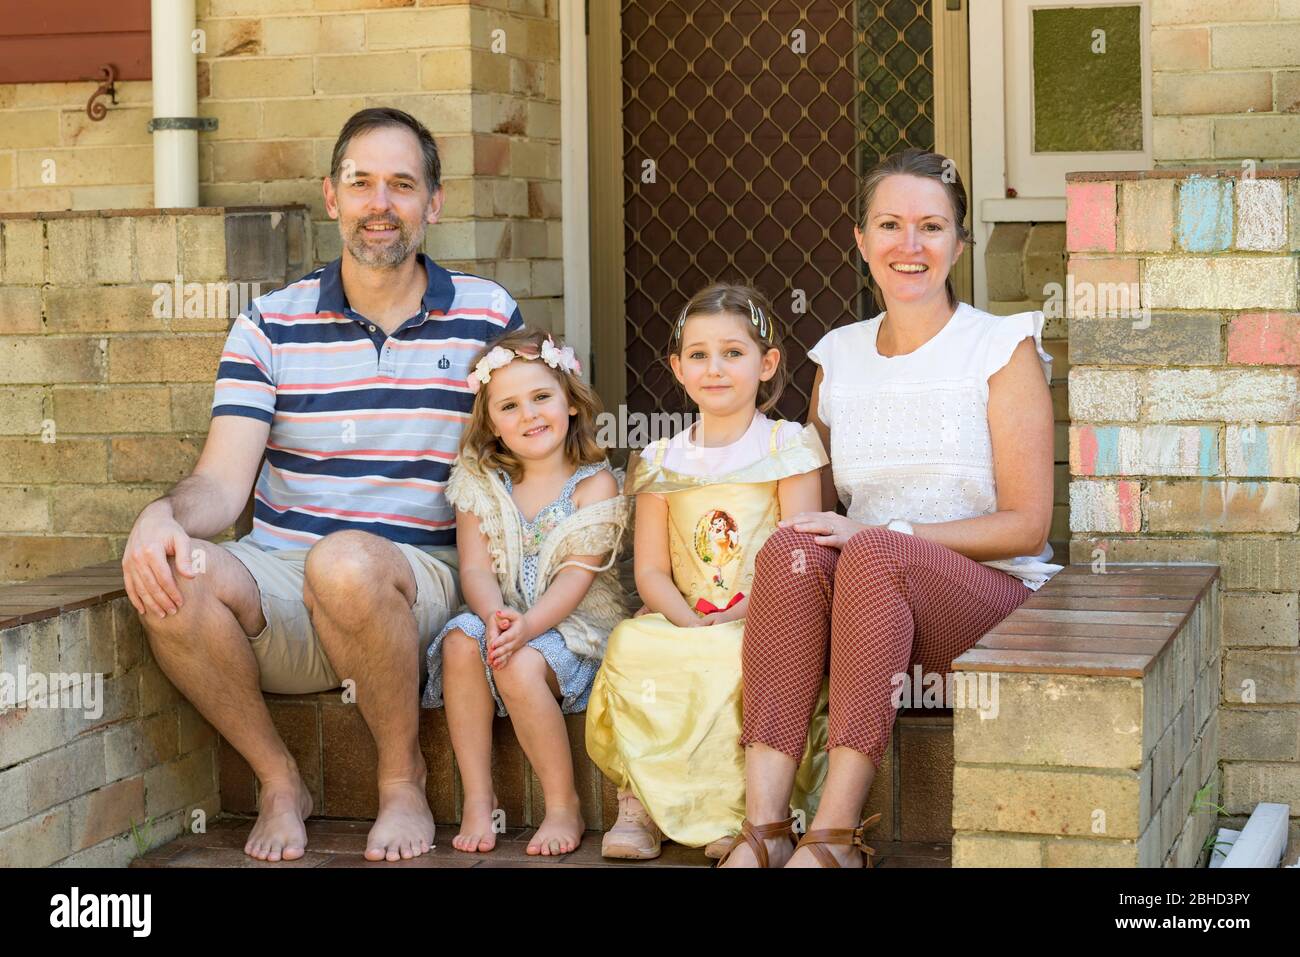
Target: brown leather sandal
(756,836)
(849,836)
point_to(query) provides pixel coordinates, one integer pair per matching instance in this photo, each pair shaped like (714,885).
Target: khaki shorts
(288,651)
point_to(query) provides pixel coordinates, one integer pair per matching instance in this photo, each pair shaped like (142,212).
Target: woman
(939,424)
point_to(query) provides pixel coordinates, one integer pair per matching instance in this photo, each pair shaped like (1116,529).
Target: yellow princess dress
(664,714)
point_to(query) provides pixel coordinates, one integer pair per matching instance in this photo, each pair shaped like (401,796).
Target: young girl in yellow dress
(663,719)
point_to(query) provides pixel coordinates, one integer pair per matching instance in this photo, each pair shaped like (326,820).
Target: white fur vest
(596,529)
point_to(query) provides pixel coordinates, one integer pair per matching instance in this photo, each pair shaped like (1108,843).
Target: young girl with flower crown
(539,519)
(663,722)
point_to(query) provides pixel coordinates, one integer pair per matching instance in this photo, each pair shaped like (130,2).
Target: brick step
(336,755)
(340,843)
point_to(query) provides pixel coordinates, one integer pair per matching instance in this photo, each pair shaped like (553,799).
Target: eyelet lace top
(909,433)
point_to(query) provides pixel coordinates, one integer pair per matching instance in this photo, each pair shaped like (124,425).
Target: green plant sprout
(143,836)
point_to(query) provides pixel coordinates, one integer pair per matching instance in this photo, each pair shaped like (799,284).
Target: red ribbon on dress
(706,607)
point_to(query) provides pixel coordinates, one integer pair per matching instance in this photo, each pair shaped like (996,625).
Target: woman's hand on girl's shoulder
(595,488)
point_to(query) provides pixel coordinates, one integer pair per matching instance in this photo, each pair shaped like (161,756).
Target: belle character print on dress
(717,542)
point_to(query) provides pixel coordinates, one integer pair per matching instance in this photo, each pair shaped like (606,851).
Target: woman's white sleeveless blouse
(910,433)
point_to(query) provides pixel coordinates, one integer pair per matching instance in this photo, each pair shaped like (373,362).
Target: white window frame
(1001,118)
(575,189)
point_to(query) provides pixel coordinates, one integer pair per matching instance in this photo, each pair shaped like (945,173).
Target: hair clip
(758,319)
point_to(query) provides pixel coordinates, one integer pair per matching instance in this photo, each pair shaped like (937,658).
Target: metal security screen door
(745,126)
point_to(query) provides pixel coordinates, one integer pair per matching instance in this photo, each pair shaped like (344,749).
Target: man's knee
(352,571)
(217,578)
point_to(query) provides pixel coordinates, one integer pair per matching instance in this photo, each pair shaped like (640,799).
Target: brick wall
(1022,261)
(1184,445)
(73,784)
(1225,79)
(281,76)
(105,373)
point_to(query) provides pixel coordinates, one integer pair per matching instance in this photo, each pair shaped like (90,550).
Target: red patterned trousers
(882,605)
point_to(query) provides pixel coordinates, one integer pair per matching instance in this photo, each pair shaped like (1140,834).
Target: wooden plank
(1204,572)
(1109,603)
(1121,589)
(1083,630)
(1100,617)
(1119,646)
(1050,662)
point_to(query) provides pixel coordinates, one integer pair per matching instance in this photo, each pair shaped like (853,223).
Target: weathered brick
(155,459)
(1004,261)
(86,640)
(413,29)
(111,508)
(1264,338)
(202,244)
(1073,720)
(1103,287)
(134,747)
(67,460)
(179,783)
(1180,49)
(1264,451)
(107,812)
(1147,215)
(50,360)
(1207,506)
(1208,11)
(1181,138)
(1105,506)
(1090,217)
(1267,136)
(1188,94)
(1246,784)
(1261,214)
(38,841)
(71,256)
(24,509)
(24,251)
(1286,91)
(20,310)
(157,693)
(22,411)
(1234,395)
(1144,450)
(117,409)
(62,774)
(982,850)
(262,160)
(1272,676)
(1042,801)
(1064,852)
(1099,396)
(110,245)
(311,117)
(1259,734)
(1205,214)
(100,309)
(24,557)
(368,73)
(238,78)
(1146,551)
(155,248)
(1261,563)
(288,36)
(164,359)
(1168,339)
(191,407)
(1271,45)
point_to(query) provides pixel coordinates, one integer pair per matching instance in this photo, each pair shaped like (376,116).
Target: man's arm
(201,505)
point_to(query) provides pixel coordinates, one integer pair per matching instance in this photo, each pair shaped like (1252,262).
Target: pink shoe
(634,836)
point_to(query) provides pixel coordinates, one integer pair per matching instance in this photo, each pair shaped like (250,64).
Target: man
(351,382)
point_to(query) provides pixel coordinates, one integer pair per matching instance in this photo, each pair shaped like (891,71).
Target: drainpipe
(175,125)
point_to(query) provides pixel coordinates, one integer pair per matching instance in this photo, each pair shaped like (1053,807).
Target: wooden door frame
(952,130)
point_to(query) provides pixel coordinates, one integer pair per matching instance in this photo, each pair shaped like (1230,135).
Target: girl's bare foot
(279,833)
(477,832)
(560,833)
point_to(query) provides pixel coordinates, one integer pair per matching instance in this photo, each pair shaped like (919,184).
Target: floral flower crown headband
(757,318)
(555,357)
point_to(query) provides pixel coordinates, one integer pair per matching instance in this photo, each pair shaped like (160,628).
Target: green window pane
(1087,79)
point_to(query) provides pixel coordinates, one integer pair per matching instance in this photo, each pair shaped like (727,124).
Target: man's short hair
(376,118)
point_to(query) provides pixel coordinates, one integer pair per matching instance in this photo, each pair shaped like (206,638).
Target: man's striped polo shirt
(364,426)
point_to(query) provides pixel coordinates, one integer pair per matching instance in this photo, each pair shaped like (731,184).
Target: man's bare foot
(779,850)
(560,833)
(404,827)
(477,833)
(279,833)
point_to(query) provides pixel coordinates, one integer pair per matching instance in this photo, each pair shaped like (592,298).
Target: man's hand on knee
(146,571)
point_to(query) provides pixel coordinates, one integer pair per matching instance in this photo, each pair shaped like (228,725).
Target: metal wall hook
(95,110)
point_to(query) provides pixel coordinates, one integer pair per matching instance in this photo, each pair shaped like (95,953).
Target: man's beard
(389,256)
